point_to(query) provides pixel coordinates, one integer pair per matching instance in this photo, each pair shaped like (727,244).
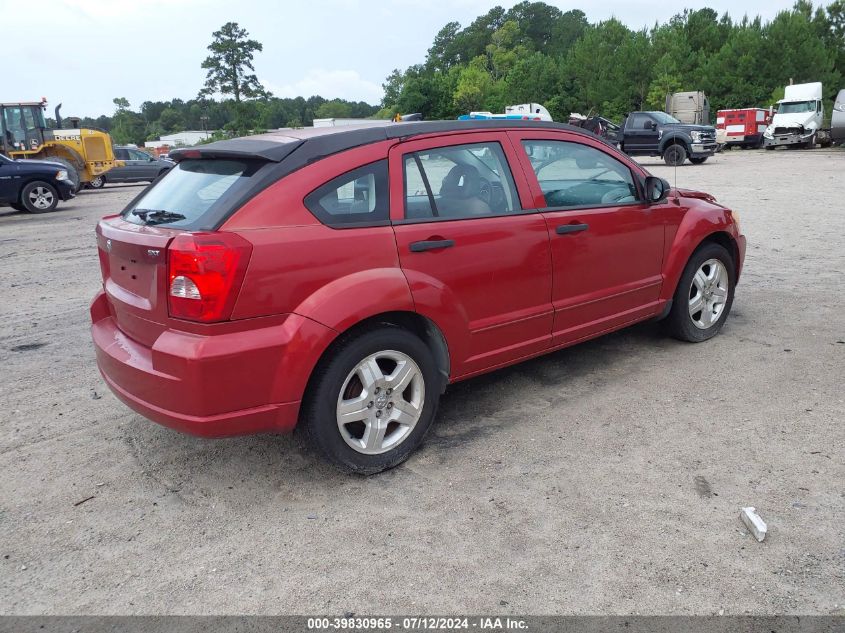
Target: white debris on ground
(754,523)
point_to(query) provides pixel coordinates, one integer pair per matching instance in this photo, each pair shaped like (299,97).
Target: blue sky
(86,52)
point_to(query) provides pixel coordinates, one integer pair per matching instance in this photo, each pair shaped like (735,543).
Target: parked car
(659,134)
(138,167)
(345,276)
(34,185)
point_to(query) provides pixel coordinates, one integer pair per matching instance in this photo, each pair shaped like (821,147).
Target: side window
(137,154)
(640,122)
(14,125)
(458,181)
(575,175)
(357,197)
(121,154)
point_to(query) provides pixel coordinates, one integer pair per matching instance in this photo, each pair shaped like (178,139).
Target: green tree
(231,57)
(335,109)
(171,120)
(127,126)
(473,87)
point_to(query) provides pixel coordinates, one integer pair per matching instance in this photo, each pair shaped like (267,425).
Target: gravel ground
(606,478)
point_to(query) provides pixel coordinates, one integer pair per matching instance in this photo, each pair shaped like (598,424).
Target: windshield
(188,192)
(795,107)
(662,117)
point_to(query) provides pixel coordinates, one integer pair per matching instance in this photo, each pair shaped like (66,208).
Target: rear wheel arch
(422,327)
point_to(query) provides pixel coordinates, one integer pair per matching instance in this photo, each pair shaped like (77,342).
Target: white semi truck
(799,119)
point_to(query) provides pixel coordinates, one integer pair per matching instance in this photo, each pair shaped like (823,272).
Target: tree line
(228,117)
(533,52)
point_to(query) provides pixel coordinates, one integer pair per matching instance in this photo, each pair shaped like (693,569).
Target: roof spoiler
(239,148)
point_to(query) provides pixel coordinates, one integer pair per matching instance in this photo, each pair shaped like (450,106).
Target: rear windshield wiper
(157,216)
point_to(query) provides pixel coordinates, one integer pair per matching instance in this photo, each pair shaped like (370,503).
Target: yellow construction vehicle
(85,152)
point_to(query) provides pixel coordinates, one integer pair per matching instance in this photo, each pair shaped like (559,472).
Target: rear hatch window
(196,194)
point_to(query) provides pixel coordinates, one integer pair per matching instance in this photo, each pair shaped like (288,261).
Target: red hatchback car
(343,277)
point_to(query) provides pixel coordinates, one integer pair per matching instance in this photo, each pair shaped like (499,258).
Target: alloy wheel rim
(41,198)
(708,294)
(380,402)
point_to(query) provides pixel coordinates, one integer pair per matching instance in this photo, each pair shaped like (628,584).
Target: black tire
(680,322)
(72,173)
(811,144)
(97,182)
(698,161)
(769,147)
(39,197)
(675,155)
(319,419)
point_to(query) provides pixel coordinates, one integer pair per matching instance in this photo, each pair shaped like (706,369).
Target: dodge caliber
(339,279)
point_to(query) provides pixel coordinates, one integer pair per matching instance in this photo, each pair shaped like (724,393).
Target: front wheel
(39,197)
(371,402)
(704,295)
(675,155)
(97,182)
(698,161)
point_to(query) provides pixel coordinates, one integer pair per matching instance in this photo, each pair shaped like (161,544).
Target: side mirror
(656,189)
(653,125)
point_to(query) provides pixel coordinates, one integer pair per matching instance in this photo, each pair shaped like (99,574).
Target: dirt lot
(606,478)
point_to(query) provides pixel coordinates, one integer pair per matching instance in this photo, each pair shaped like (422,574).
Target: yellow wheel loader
(85,152)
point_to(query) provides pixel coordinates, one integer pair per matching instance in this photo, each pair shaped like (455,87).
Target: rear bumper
(219,385)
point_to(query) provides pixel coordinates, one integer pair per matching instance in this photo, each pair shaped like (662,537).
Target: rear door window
(191,191)
(458,181)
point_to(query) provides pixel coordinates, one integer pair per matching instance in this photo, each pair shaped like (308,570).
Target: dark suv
(344,277)
(33,185)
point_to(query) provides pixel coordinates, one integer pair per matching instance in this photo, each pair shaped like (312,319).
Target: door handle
(431,245)
(563,229)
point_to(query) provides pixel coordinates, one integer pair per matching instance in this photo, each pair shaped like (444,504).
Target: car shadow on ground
(470,412)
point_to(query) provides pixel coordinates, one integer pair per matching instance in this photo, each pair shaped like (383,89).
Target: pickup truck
(658,134)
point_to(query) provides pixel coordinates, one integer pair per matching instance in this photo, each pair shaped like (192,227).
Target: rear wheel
(698,161)
(704,295)
(675,155)
(97,182)
(39,197)
(372,401)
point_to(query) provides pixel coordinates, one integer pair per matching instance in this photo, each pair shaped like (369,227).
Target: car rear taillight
(204,275)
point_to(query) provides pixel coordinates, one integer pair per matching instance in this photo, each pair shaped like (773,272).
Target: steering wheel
(601,173)
(616,195)
(485,191)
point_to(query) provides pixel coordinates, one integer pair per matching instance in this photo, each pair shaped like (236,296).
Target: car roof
(318,142)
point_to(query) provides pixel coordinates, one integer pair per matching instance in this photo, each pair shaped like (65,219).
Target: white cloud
(330,84)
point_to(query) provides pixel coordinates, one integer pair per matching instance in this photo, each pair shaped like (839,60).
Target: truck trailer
(743,127)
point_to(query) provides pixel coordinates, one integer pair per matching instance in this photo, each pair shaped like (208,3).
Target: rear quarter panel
(334,277)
